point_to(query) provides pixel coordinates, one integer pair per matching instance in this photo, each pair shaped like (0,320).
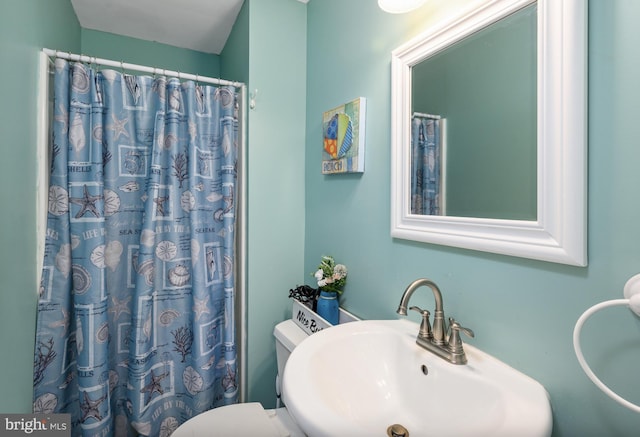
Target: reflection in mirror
(428,165)
(485,88)
(497,98)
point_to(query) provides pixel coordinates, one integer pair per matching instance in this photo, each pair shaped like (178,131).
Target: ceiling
(202,25)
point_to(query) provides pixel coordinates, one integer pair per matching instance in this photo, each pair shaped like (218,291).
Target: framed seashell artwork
(343,130)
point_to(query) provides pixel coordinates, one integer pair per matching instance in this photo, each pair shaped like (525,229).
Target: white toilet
(251,419)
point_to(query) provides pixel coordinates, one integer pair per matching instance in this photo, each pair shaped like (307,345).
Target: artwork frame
(343,132)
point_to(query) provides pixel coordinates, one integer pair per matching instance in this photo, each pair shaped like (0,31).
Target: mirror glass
(488,131)
(473,124)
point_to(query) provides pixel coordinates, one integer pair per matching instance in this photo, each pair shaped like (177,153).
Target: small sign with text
(311,322)
(306,319)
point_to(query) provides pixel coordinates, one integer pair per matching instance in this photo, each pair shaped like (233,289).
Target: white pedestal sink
(361,378)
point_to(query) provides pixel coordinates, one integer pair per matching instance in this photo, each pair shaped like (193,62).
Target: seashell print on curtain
(135,329)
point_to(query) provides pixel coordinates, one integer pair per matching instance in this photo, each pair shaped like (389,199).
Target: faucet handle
(455,343)
(455,325)
(425,326)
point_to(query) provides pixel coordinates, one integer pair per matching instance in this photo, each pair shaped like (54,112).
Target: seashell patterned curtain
(426,196)
(135,329)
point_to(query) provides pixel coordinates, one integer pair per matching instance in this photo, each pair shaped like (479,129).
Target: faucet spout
(438,316)
(404,300)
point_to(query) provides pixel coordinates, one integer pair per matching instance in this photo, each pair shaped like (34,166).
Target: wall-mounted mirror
(489,131)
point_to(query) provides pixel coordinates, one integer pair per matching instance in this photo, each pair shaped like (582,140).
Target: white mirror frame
(559,233)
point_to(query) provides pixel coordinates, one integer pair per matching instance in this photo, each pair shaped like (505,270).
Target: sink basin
(360,378)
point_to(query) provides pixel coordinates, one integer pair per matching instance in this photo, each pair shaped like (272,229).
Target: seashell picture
(129,187)
(75,241)
(147,326)
(80,80)
(63,259)
(214,197)
(187,201)
(97,133)
(226,142)
(111,202)
(192,380)
(146,269)
(179,276)
(97,256)
(58,200)
(174,100)
(195,251)
(166,250)
(102,334)
(112,253)
(77,137)
(45,404)
(169,141)
(168,316)
(147,238)
(135,91)
(223,95)
(168,426)
(81,279)
(228,266)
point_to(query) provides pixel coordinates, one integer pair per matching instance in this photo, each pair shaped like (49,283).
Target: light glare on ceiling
(399,6)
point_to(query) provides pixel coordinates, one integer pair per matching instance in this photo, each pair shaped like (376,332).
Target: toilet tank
(288,335)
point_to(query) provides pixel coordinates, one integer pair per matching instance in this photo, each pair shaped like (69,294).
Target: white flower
(319,274)
(339,271)
(322,283)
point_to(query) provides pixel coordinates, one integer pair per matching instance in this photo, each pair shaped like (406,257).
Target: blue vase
(328,307)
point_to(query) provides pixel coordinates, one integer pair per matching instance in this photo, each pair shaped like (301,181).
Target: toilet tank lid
(289,334)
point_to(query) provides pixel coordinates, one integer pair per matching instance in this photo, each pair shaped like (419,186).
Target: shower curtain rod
(142,68)
(422,114)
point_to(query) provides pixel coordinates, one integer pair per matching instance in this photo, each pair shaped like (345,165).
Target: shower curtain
(426,165)
(135,327)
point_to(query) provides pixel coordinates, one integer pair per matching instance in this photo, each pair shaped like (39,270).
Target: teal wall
(276,156)
(121,48)
(485,87)
(304,60)
(25,27)
(522,311)
(234,59)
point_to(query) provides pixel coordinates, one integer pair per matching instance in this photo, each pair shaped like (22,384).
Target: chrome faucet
(435,340)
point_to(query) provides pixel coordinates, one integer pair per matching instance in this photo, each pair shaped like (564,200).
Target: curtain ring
(121,66)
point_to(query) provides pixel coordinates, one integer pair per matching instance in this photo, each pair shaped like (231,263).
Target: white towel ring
(632,292)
